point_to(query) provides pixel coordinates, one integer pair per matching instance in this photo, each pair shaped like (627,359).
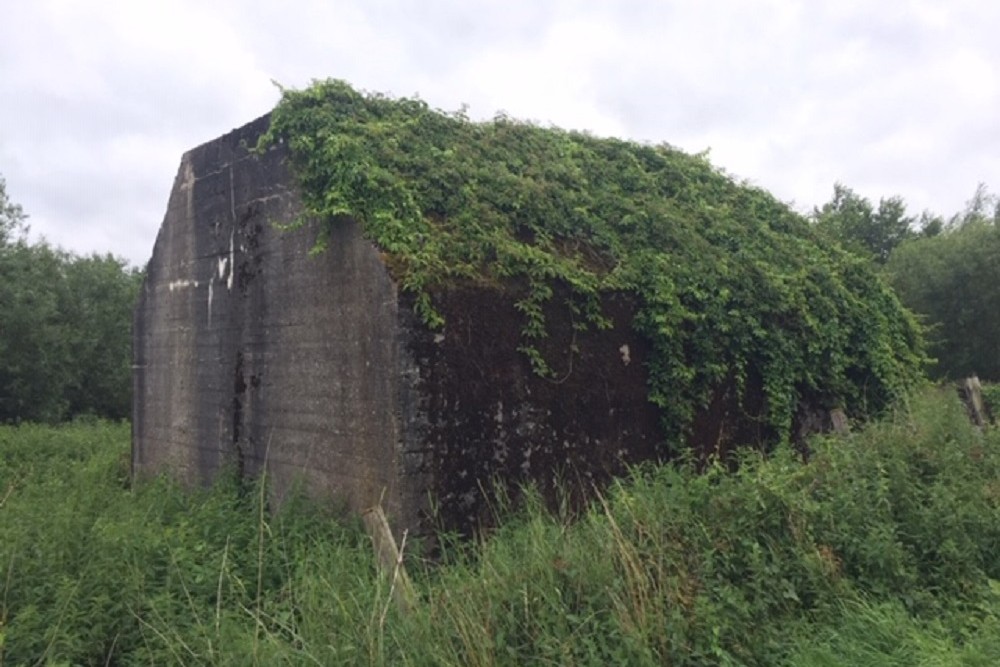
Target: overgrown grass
(93,573)
(884,549)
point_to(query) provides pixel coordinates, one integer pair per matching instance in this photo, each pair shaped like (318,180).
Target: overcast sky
(99,98)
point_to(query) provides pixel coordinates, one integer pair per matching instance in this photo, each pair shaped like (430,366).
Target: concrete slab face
(252,354)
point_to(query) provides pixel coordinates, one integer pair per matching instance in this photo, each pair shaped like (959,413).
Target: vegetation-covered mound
(734,288)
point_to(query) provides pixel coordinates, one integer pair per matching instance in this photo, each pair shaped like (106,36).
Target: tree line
(947,270)
(65,327)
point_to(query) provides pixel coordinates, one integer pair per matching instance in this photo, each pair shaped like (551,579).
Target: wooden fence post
(972,393)
(839,422)
(389,558)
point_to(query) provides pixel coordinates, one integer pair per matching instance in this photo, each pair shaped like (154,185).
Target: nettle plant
(731,284)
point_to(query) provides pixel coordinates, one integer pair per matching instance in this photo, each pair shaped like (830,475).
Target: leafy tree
(983,208)
(102,291)
(853,220)
(65,328)
(930,224)
(35,359)
(12,217)
(953,281)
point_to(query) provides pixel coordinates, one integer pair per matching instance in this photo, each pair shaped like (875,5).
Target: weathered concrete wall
(251,353)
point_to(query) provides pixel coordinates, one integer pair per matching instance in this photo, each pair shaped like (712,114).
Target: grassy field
(883,550)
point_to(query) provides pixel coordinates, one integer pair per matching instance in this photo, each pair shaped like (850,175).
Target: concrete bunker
(253,354)
(672,306)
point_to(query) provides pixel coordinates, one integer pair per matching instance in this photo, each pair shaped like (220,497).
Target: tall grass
(884,549)
(95,573)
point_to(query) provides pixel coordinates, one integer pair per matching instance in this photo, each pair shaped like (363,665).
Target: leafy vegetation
(66,328)
(952,280)
(945,270)
(12,216)
(94,573)
(867,230)
(991,397)
(884,549)
(734,288)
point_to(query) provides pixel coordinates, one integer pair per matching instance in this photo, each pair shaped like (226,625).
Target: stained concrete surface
(253,355)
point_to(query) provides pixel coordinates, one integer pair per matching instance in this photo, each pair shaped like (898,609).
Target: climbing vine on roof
(731,283)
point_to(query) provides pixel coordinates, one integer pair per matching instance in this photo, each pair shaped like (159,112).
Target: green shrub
(991,396)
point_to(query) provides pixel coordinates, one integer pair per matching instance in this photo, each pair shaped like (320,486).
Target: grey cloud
(94,114)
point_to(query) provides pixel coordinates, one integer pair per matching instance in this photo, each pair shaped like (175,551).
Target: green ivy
(731,283)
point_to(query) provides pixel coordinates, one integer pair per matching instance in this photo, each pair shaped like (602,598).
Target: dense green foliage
(953,281)
(65,328)
(871,231)
(734,288)
(946,271)
(95,574)
(991,397)
(11,216)
(883,550)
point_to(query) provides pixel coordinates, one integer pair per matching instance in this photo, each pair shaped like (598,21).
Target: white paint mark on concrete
(626,356)
(210,283)
(181,284)
(187,180)
(232,262)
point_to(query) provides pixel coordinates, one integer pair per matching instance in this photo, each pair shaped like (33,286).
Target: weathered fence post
(971,392)
(839,422)
(389,557)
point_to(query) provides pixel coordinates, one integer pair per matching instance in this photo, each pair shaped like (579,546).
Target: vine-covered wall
(732,288)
